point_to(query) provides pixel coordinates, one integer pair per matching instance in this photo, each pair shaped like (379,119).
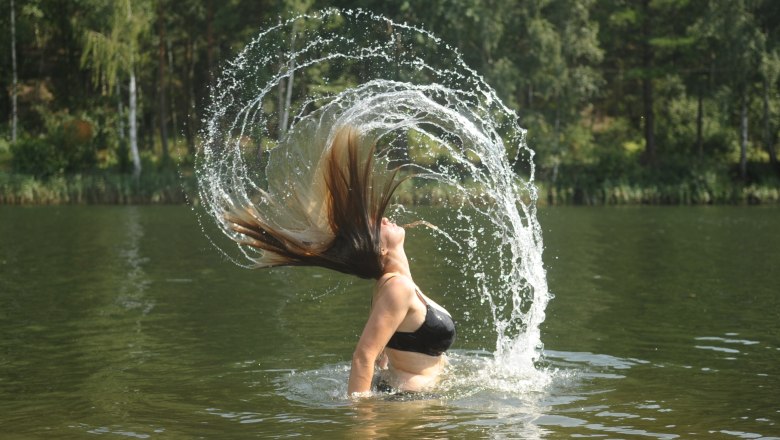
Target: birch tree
(731,29)
(113,55)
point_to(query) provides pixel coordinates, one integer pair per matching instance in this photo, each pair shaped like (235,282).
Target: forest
(625,101)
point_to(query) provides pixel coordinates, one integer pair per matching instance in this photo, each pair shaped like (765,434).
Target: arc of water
(450,106)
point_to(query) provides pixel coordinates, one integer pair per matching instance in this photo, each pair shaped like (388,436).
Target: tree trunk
(133,127)
(556,139)
(647,98)
(647,86)
(288,98)
(189,92)
(14,90)
(280,108)
(210,40)
(147,127)
(770,148)
(120,127)
(700,124)
(743,138)
(171,97)
(290,80)
(279,98)
(161,85)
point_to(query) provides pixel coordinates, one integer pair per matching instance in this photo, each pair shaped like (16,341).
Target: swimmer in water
(340,225)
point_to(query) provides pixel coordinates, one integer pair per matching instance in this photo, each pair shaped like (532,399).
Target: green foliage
(115,51)
(66,147)
(36,156)
(5,146)
(581,74)
(425,151)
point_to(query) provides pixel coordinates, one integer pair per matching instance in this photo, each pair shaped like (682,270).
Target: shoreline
(173,188)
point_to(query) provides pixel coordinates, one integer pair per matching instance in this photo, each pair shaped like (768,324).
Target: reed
(170,187)
(97,188)
(685,193)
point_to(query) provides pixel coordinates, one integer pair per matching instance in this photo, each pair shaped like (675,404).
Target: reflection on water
(112,331)
(120,322)
(131,291)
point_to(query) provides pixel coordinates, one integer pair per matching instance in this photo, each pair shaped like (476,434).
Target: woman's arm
(389,310)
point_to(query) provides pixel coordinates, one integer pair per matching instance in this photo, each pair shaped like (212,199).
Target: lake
(127,322)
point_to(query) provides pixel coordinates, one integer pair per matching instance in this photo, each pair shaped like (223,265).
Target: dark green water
(125,322)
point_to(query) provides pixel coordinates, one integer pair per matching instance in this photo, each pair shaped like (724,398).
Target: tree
(770,72)
(730,29)
(293,7)
(768,15)
(542,56)
(631,61)
(162,85)
(572,78)
(647,65)
(115,53)
(14,91)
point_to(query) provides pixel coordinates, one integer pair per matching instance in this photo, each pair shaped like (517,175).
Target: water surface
(125,322)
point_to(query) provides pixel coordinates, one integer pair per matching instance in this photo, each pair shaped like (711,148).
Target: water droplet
(430,115)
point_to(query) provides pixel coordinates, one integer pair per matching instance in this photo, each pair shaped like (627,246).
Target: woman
(336,222)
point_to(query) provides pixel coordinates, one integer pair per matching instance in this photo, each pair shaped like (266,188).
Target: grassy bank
(170,187)
(684,193)
(674,183)
(96,188)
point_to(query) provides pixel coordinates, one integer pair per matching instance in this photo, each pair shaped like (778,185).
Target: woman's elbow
(363,357)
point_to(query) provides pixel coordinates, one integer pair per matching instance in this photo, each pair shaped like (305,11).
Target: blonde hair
(338,215)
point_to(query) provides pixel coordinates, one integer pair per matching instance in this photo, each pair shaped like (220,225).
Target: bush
(37,156)
(73,138)
(67,147)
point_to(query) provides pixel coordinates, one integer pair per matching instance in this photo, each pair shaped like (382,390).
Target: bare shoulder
(397,289)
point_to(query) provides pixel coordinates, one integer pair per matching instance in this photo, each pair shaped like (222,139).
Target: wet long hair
(347,238)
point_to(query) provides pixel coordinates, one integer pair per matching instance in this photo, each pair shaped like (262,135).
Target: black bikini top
(434,337)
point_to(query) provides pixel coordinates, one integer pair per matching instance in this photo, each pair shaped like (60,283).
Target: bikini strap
(420,295)
(417,290)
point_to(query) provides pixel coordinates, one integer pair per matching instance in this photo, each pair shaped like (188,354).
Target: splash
(276,108)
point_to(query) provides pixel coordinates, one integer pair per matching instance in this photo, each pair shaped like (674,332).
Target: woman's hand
(382,361)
